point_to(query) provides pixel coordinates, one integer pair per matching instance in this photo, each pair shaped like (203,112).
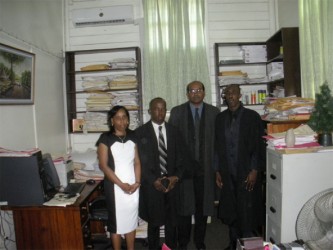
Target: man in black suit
(159,191)
(241,152)
(196,120)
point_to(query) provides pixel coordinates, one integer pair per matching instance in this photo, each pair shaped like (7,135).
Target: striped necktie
(162,152)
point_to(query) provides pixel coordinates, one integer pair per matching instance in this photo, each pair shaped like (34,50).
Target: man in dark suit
(159,191)
(241,149)
(196,120)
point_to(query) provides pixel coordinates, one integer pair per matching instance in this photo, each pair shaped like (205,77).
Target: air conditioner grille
(115,21)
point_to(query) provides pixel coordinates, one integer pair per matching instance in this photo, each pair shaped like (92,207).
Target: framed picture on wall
(16,76)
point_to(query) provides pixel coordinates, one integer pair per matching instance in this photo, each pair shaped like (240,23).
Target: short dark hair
(188,85)
(233,85)
(155,100)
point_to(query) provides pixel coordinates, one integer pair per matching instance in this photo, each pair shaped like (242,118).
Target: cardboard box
(253,243)
(78,125)
(275,67)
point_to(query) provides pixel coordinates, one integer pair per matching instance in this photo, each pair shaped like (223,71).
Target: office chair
(99,212)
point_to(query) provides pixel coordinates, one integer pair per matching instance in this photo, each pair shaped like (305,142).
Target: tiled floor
(217,238)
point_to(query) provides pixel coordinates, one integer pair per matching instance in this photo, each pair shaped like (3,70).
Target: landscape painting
(16,76)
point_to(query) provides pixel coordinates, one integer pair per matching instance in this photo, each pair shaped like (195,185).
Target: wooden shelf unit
(99,56)
(283,47)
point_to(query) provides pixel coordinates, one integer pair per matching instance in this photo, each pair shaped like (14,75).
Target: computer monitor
(50,176)
(20,180)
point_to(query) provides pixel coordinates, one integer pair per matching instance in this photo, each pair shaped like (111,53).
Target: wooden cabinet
(96,80)
(43,227)
(257,61)
(292,179)
(283,47)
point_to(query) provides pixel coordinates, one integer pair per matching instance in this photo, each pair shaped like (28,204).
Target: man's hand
(172,182)
(159,186)
(218,180)
(251,180)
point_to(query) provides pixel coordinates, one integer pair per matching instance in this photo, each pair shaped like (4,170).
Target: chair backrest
(98,210)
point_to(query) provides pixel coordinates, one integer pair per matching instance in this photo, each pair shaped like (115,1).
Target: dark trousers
(184,229)
(236,233)
(154,236)
(170,229)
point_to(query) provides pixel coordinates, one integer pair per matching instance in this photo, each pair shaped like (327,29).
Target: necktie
(162,152)
(197,133)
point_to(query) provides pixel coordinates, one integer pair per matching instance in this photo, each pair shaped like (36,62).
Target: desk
(43,227)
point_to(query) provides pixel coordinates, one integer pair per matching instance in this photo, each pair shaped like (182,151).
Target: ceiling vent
(115,15)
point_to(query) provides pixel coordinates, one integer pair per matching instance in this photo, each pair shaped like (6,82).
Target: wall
(238,21)
(287,13)
(99,37)
(36,26)
(227,21)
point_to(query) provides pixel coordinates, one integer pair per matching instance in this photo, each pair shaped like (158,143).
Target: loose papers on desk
(82,174)
(61,200)
(304,137)
(4,152)
(86,166)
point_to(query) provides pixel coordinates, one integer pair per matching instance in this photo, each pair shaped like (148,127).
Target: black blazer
(152,202)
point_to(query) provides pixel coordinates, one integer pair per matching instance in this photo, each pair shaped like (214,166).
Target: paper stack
(304,137)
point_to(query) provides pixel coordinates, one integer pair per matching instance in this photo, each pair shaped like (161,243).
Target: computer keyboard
(74,188)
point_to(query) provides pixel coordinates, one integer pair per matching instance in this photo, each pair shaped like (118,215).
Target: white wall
(287,13)
(37,27)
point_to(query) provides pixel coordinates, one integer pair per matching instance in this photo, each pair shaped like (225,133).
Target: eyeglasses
(194,91)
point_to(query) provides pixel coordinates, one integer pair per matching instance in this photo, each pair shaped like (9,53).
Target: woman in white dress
(119,161)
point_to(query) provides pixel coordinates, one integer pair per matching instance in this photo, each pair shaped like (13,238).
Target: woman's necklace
(122,139)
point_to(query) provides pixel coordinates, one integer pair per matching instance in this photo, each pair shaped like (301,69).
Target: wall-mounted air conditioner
(120,14)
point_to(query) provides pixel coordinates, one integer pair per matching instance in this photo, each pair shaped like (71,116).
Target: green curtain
(174,50)
(316,45)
